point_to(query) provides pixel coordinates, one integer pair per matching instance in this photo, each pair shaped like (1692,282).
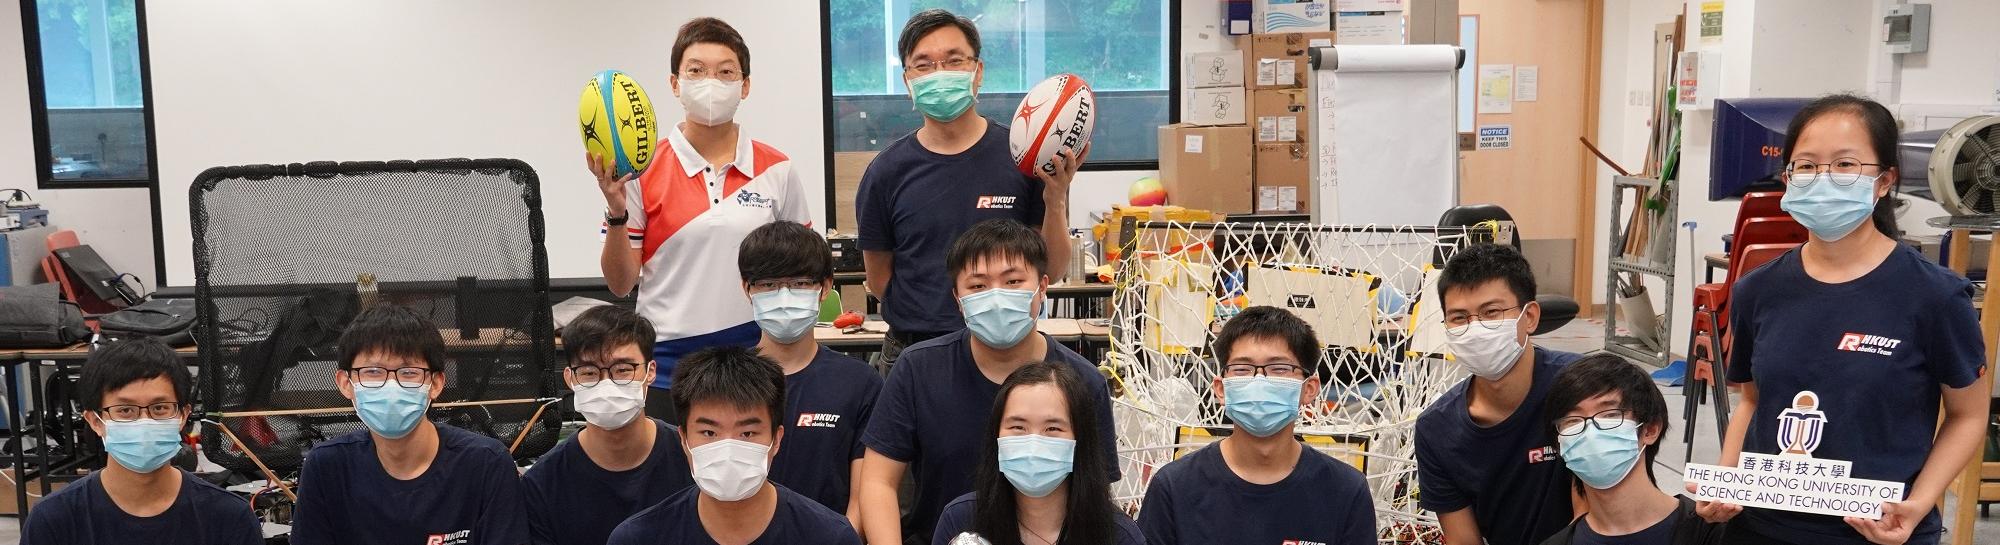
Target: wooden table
(1717,260)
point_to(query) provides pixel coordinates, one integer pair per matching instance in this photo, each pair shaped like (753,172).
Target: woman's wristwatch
(616,221)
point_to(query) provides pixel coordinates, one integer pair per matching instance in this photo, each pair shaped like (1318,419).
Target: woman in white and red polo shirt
(685,215)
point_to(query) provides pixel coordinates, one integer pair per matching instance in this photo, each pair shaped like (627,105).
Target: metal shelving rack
(1616,262)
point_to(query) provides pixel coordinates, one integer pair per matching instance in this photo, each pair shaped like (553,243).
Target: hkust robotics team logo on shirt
(1868,344)
(461,537)
(818,420)
(1000,202)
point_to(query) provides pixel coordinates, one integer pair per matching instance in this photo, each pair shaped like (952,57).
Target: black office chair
(1557,310)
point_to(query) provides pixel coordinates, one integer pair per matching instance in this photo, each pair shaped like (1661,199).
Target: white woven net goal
(1362,288)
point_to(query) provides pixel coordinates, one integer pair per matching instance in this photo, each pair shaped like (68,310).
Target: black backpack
(36,316)
(172,320)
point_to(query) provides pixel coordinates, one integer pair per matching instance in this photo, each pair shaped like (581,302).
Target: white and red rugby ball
(1057,115)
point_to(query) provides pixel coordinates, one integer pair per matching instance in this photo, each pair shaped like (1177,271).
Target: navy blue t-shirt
(1874,351)
(1509,474)
(1198,500)
(1660,533)
(957,519)
(915,202)
(83,514)
(933,416)
(827,404)
(677,521)
(471,495)
(573,501)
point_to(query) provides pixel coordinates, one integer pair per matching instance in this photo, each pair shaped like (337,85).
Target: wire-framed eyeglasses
(1607,420)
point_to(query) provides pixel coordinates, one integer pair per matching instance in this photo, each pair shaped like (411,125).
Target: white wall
(241,82)
(117,222)
(1775,48)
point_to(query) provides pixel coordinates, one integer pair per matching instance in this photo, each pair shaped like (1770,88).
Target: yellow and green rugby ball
(617,122)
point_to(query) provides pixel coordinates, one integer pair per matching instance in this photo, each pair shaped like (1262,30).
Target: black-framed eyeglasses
(164,410)
(797,284)
(1802,173)
(376,377)
(1280,370)
(956,64)
(1458,324)
(1607,420)
(621,373)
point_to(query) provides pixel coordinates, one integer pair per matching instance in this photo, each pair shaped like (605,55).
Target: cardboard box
(1281,115)
(1219,69)
(1206,168)
(1283,178)
(1292,16)
(10,508)
(1369,27)
(1278,61)
(1215,106)
(1368,5)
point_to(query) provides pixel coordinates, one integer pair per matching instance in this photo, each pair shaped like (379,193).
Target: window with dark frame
(88,92)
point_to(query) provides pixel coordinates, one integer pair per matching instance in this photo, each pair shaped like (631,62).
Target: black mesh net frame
(279,251)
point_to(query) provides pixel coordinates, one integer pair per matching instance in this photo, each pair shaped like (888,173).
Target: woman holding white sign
(1845,346)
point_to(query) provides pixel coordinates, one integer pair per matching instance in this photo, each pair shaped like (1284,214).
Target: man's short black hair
(395,330)
(927,21)
(783,249)
(123,363)
(602,329)
(709,30)
(735,375)
(1478,264)
(1269,322)
(1001,238)
(1604,373)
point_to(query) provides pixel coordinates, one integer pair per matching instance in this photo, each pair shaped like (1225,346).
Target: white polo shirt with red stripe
(687,219)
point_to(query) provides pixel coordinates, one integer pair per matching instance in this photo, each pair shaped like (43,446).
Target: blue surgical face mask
(1601,458)
(1827,208)
(786,314)
(142,445)
(1000,317)
(391,410)
(1036,464)
(943,95)
(1261,406)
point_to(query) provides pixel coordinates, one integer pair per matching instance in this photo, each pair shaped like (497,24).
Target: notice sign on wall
(1794,480)
(1496,137)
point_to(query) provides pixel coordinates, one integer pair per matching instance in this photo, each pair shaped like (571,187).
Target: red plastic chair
(52,268)
(1749,232)
(1707,347)
(1760,205)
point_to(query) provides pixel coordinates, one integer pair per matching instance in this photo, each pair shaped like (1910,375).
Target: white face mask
(1489,349)
(730,469)
(711,102)
(610,406)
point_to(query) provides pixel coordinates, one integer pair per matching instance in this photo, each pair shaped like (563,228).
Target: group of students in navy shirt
(1007,435)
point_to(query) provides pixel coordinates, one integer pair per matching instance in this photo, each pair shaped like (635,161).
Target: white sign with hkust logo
(1794,480)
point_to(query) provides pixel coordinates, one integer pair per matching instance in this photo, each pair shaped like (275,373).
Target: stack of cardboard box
(1205,160)
(1244,143)
(1282,118)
